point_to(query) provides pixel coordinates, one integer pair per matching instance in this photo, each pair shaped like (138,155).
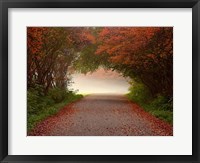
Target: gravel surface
(102,115)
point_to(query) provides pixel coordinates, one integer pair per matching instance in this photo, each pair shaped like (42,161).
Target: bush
(40,106)
(159,106)
(162,103)
(163,114)
(32,99)
(57,94)
(139,93)
(36,102)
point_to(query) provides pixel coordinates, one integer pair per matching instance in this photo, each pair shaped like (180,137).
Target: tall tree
(142,53)
(51,51)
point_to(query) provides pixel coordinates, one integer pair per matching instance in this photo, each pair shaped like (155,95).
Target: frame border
(6,4)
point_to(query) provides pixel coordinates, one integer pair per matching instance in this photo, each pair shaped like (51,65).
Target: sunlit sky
(100,81)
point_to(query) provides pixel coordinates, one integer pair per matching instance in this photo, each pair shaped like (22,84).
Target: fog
(100,81)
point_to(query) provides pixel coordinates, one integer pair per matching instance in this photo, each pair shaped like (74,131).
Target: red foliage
(146,52)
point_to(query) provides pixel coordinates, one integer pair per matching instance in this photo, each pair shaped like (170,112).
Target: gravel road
(102,115)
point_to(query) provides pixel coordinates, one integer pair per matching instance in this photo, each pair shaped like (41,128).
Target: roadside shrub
(36,100)
(32,102)
(163,114)
(159,106)
(138,93)
(162,103)
(57,94)
(39,106)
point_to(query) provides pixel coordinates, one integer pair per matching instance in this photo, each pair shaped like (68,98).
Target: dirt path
(103,115)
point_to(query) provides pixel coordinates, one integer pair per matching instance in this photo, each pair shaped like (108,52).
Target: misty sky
(100,81)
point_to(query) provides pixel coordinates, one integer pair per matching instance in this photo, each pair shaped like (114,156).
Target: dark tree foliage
(51,52)
(145,54)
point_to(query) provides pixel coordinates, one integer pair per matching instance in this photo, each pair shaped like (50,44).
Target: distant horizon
(100,82)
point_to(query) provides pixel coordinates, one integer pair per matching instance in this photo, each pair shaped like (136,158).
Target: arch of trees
(144,54)
(51,53)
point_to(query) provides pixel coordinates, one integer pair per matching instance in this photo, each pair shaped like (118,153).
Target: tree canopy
(51,53)
(144,54)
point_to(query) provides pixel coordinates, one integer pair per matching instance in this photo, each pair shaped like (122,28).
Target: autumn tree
(51,52)
(87,61)
(142,53)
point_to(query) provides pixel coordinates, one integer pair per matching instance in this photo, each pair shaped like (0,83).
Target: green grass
(158,112)
(159,106)
(85,94)
(48,109)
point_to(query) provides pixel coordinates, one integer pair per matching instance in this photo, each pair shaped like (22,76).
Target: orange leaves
(34,39)
(101,49)
(142,52)
(117,59)
(104,32)
(51,50)
(128,42)
(87,36)
(152,56)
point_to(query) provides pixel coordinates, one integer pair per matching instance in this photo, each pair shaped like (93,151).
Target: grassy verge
(40,108)
(157,109)
(160,106)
